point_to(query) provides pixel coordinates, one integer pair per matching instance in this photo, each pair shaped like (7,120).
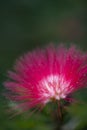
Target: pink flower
(46,74)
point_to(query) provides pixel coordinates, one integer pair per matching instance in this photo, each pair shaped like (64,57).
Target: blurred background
(27,24)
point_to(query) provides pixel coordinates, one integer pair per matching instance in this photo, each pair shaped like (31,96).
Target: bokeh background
(27,24)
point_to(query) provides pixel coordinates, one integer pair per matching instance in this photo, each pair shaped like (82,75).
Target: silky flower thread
(44,75)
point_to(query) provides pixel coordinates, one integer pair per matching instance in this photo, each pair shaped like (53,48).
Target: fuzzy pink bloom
(46,74)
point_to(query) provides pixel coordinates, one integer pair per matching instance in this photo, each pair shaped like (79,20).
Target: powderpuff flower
(48,74)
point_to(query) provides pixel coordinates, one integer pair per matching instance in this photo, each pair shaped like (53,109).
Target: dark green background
(27,24)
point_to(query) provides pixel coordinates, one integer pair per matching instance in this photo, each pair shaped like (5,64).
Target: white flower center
(54,87)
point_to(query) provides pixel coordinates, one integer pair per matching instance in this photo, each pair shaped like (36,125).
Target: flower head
(45,74)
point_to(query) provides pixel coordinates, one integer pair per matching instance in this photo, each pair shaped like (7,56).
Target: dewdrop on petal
(45,74)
